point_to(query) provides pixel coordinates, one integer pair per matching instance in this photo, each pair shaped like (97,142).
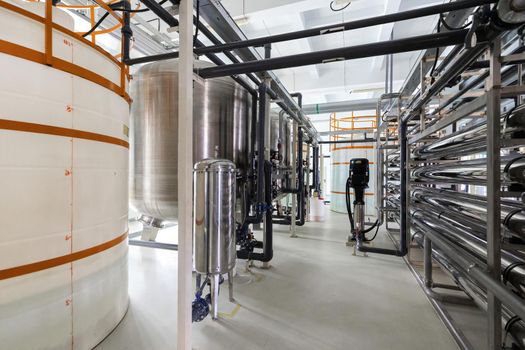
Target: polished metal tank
(221,127)
(280,137)
(214,196)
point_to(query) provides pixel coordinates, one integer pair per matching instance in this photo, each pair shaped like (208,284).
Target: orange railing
(351,123)
(49,59)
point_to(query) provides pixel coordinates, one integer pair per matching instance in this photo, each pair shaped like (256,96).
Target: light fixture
(241,20)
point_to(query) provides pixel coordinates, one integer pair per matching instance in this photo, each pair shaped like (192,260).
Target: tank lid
(213,164)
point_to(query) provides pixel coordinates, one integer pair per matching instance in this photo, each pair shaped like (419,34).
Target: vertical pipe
(126,31)
(294,179)
(301,197)
(316,168)
(185,178)
(493,86)
(321,170)
(427,261)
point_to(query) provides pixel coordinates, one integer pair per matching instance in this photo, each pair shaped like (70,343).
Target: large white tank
(64,190)
(340,158)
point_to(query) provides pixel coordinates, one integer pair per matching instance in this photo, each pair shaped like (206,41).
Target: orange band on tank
(61,260)
(47,57)
(58,131)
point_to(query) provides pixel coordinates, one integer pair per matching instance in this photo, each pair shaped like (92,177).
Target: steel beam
(493,193)
(185,177)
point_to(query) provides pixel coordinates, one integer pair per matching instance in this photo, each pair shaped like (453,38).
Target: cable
(339,9)
(437,56)
(96,25)
(105,15)
(375,234)
(349,205)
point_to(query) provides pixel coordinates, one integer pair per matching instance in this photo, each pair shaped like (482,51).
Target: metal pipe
(474,270)
(345,53)
(460,235)
(470,287)
(472,207)
(402,250)
(335,28)
(472,172)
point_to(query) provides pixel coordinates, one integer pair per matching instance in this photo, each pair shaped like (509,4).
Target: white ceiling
(330,82)
(339,81)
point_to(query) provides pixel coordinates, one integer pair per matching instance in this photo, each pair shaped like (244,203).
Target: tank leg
(230,285)
(214,286)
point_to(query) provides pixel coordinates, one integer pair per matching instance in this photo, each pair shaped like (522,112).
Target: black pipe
(315,160)
(345,53)
(334,28)
(348,141)
(170,20)
(260,144)
(126,31)
(267,245)
(402,250)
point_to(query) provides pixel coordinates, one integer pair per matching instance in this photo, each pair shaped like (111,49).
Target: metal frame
(423,126)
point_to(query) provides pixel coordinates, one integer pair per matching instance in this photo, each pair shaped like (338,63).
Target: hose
(349,205)
(351,218)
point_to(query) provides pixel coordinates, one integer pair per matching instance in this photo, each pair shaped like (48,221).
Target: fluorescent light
(241,20)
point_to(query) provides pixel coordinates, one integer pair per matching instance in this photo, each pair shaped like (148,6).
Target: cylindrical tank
(214,227)
(280,137)
(221,127)
(340,161)
(63,182)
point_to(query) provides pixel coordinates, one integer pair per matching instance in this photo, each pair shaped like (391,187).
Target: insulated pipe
(345,53)
(334,28)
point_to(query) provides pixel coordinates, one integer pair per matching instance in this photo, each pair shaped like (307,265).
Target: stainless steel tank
(214,195)
(280,137)
(221,127)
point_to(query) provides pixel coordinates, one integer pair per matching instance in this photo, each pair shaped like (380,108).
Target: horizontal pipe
(473,207)
(472,172)
(459,235)
(473,290)
(474,269)
(338,27)
(345,53)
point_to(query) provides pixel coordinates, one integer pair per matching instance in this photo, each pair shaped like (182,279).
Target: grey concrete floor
(316,295)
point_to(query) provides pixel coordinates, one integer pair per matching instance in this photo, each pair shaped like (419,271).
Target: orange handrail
(49,59)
